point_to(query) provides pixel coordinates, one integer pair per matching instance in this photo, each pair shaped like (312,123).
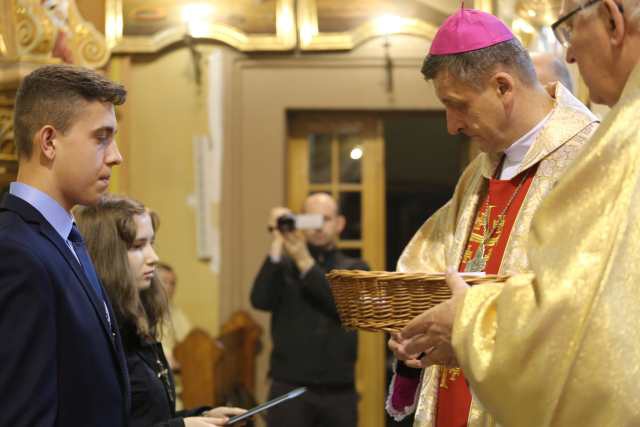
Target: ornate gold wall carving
(347,24)
(8,160)
(31,32)
(7,151)
(35,33)
(145,26)
(89,45)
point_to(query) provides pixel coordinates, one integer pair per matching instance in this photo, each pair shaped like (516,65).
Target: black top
(310,347)
(152,386)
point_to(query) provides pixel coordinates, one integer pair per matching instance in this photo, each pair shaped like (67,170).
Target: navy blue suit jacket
(60,362)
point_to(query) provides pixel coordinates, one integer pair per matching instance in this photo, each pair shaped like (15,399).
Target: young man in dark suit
(61,360)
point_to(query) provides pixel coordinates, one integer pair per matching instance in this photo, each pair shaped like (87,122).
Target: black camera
(289,222)
(286,223)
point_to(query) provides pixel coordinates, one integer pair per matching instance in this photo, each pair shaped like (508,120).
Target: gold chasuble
(561,346)
(449,237)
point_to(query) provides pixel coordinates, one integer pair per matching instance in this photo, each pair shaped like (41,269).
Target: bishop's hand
(430,332)
(397,345)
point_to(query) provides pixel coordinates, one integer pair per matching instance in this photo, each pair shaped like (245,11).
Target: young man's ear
(45,140)
(615,14)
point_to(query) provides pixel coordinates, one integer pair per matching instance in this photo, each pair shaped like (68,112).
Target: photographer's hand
(275,251)
(296,246)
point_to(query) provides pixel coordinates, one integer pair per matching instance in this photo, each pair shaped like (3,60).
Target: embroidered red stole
(454,398)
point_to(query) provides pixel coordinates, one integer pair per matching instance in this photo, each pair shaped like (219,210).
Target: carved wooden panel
(42,30)
(248,25)
(148,17)
(8,160)
(336,24)
(7,149)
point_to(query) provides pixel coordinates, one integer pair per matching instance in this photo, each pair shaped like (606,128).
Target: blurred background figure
(550,68)
(177,324)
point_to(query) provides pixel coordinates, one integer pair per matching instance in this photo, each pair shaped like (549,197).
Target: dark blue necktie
(83,257)
(85,262)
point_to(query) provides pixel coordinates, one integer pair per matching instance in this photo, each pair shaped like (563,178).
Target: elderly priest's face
(593,33)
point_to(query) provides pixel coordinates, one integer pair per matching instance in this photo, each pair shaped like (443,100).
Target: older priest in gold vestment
(561,346)
(488,85)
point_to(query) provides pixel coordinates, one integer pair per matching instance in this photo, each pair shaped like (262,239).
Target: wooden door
(343,154)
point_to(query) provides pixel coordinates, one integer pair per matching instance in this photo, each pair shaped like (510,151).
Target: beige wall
(165,109)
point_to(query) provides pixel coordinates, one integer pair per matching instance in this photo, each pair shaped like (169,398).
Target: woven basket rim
(407,276)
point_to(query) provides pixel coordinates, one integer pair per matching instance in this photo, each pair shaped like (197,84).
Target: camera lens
(286,223)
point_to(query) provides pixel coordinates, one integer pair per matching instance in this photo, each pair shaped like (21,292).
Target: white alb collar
(515,154)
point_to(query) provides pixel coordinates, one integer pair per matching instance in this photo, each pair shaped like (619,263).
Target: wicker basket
(383,301)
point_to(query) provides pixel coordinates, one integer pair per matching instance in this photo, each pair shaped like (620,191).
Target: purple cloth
(404,392)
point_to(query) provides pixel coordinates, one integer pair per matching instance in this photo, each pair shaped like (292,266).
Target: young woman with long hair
(119,234)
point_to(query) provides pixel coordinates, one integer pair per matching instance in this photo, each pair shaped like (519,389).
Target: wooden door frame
(370,367)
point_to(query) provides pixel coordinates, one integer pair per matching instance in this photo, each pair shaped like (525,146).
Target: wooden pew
(220,371)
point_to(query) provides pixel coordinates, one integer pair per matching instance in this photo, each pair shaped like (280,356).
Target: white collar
(515,154)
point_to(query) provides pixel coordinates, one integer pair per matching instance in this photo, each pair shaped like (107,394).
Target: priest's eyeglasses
(561,28)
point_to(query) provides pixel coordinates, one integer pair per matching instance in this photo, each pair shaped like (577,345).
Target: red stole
(454,398)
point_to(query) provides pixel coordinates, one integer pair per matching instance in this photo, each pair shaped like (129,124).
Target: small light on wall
(532,13)
(197,16)
(389,24)
(356,153)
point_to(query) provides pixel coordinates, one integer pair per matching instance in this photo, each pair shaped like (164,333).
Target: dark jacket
(60,364)
(310,347)
(152,387)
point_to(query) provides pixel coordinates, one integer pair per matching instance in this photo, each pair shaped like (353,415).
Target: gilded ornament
(6,133)
(50,30)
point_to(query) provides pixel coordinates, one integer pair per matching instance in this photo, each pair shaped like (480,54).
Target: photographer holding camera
(310,347)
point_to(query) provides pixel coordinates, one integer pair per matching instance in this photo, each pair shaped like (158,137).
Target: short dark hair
(475,67)
(53,95)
